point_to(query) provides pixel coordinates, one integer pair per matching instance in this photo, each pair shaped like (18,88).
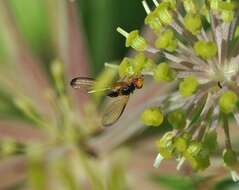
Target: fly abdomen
(113,94)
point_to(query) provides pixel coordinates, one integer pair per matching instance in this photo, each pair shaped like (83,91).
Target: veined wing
(83,82)
(114,110)
(87,84)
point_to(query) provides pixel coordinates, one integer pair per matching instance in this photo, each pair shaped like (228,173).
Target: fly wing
(83,82)
(114,110)
(87,84)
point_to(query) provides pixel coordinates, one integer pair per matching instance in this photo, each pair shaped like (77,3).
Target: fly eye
(139,84)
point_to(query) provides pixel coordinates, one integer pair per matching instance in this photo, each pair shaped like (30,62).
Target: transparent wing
(87,84)
(83,82)
(114,110)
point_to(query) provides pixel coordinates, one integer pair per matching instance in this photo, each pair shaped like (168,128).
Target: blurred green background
(81,36)
(99,20)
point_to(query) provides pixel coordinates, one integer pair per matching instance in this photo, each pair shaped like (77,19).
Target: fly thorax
(125,90)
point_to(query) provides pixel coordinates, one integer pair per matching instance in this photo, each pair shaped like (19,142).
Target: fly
(118,91)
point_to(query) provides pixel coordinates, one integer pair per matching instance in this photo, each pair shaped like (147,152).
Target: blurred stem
(36,171)
(95,179)
(227,132)
(58,25)
(117,175)
(66,120)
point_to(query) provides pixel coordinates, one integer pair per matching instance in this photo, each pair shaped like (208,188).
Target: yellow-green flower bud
(163,73)
(173,3)
(193,23)
(133,39)
(150,65)
(136,41)
(229,158)
(139,63)
(203,160)
(206,50)
(177,119)
(152,117)
(125,68)
(165,145)
(57,70)
(193,149)
(8,147)
(153,21)
(164,39)
(180,144)
(190,6)
(210,141)
(188,86)
(197,156)
(214,4)
(228,101)
(167,41)
(204,11)
(220,5)
(164,13)
(172,46)
(227,16)
(226,6)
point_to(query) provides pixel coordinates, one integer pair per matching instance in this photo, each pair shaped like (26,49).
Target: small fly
(119,91)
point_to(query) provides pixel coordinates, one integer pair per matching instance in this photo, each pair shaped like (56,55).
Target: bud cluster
(197,42)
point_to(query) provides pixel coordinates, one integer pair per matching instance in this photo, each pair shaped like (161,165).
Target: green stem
(227,132)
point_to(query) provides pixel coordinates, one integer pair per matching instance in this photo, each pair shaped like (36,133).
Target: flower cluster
(196,42)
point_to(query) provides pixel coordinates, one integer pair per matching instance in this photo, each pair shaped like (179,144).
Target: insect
(118,91)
